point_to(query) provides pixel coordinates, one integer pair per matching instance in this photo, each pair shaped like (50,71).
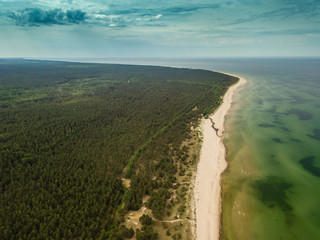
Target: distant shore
(212,163)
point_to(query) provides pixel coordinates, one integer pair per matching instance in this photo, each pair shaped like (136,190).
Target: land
(210,167)
(95,150)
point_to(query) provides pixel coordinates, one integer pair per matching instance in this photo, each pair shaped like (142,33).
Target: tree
(145,220)
(147,234)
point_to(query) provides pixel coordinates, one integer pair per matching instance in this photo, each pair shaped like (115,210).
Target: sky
(159,28)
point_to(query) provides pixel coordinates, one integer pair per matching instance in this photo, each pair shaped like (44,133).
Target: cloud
(114,9)
(75,16)
(37,17)
(308,7)
(269,15)
(124,16)
(96,13)
(186,9)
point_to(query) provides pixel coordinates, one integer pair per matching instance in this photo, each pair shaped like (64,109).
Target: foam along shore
(212,163)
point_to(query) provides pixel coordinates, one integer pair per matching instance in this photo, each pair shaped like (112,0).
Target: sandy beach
(212,163)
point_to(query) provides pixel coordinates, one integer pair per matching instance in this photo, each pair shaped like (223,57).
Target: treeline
(62,155)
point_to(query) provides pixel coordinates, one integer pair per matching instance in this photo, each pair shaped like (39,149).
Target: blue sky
(162,28)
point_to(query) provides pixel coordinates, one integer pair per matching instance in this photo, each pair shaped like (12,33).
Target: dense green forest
(69,132)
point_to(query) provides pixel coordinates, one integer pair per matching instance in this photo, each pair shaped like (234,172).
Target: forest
(70,132)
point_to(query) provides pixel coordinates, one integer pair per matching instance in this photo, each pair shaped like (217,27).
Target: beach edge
(212,163)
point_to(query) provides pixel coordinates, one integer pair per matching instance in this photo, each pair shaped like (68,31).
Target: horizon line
(160,57)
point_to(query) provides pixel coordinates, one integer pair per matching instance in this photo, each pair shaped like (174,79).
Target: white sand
(212,163)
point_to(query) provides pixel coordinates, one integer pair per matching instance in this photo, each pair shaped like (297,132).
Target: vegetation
(145,220)
(70,131)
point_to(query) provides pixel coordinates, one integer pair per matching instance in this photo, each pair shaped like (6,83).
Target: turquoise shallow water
(271,189)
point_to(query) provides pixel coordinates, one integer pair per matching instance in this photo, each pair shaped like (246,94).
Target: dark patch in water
(317,105)
(307,163)
(303,115)
(276,116)
(313,93)
(266,125)
(277,122)
(316,134)
(259,101)
(278,140)
(272,110)
(299,100)
(285,129)
(295,140)
(272,192)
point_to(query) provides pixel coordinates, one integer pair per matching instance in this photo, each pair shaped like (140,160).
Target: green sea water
(271,189)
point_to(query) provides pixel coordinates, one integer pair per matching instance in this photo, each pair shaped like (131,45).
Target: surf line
(216,129)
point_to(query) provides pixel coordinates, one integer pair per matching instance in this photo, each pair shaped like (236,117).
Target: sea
(271,189)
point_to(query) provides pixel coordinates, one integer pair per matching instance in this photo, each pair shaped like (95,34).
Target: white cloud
(167,23)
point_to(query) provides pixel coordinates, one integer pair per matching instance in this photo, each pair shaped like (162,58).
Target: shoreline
(212,163)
